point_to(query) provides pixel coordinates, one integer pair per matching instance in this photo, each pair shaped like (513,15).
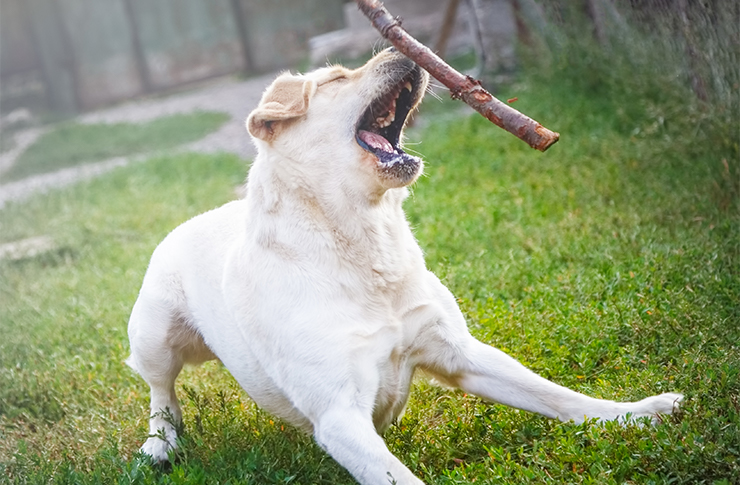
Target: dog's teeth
(385,121)
(408,86)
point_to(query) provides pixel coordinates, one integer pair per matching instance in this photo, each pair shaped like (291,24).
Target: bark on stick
(461,87)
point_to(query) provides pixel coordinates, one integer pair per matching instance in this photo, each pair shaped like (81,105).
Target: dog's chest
(385,256)
(383,272)
(387,272)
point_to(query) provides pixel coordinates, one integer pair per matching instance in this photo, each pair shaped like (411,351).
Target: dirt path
(232,96)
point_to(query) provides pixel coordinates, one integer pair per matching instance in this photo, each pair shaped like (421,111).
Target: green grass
(609,264)
(73,143)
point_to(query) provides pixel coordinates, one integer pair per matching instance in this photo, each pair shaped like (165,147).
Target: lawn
(72,144)
(609,264)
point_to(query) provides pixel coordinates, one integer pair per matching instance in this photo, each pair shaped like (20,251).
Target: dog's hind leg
(161,342)
(349,436)
(493,375)
(456,358)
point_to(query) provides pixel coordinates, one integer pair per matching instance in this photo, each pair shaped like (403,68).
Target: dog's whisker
(434,89)
(437,88)
(414,152)
(433,94)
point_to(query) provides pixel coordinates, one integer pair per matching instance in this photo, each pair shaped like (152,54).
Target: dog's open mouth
(381,126)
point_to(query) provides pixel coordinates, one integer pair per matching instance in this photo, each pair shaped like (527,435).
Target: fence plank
(188,40)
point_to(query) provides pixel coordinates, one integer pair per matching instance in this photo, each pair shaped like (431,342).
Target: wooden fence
(81,54)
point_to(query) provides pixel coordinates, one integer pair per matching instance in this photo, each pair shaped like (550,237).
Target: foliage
(73,143)
(667,70)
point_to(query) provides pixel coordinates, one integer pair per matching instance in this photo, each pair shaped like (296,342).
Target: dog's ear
(286,98)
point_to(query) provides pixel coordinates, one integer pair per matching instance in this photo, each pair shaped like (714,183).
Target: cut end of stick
(548,137)
(506,117)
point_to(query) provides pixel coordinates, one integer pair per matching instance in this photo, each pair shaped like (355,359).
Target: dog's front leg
(348,435)
(450,353)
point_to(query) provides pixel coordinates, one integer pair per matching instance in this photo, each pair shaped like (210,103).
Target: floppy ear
(286,98)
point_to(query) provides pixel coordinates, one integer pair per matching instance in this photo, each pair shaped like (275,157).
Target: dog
(312,290)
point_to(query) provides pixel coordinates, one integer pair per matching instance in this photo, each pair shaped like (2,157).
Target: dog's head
(337,121)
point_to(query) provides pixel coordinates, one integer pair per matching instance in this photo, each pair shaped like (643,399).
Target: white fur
(313,292)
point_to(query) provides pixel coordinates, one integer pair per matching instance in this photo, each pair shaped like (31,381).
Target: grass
(609,264)
(72,143)
(7,142)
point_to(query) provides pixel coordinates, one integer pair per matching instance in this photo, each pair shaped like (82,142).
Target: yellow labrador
(312,290)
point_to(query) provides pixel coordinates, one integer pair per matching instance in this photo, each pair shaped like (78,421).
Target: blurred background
(647,61)
(70,56)
(76,55)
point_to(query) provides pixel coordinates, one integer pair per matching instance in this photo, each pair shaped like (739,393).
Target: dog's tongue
(376,141)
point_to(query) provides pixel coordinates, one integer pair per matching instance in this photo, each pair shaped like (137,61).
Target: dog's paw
(652,407)
(158,448)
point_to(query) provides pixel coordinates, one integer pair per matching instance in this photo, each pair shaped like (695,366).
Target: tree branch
(461,87)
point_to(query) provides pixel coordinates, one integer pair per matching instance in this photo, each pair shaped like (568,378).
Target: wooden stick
(460,86)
